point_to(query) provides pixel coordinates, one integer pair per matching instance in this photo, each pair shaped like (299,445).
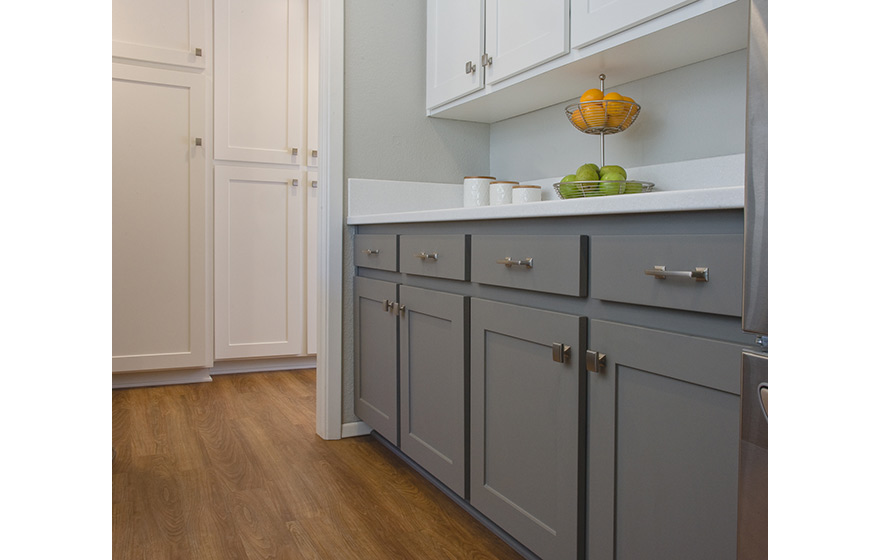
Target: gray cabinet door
(433,383)
(527,425)
(375,356)
(663,443)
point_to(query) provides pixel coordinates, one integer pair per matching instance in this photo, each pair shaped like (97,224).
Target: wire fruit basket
(583,189)
(602,117)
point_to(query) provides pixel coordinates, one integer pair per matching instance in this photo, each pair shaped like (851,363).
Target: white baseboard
(202,375)
(354,429)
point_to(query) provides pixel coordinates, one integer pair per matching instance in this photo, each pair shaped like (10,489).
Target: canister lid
(505,182)
(526,186)
(480,177)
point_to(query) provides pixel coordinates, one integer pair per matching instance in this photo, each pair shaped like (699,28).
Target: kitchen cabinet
(470,44)
(663,445)
(259,251)
(172,32)
(592,21)
(260,73)
(433,383)
(312,263)
(375,355)
(546,53)
(160,221)
(631,457)
(527,429)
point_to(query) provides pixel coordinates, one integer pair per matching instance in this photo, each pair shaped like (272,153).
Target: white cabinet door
(592,20)
(521,35)
(313,82)
(164,31)
(160,312)
(454,47)
(259,270)
(312,264)
(260,80)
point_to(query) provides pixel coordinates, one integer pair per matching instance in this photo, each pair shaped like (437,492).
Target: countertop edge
(718,198)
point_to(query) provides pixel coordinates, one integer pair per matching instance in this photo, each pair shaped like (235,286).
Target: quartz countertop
(372,201)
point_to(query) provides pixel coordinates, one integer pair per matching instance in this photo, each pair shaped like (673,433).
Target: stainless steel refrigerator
(753,456)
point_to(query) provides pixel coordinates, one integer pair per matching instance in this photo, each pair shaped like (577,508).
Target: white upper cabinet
(455,45)
(260,80)
(521,35)
(162,31)
(592,20)
(313,82)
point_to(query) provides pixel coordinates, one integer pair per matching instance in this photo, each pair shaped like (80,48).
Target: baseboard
(152,378)
(354,429)
(202,375)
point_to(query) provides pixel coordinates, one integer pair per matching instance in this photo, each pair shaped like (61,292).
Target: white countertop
(706,184)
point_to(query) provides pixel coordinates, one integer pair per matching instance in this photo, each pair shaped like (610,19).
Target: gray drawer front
(559,262)
(619,262)
(376,251)
(418,252)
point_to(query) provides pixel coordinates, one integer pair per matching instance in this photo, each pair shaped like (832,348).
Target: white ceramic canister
(501,192)
(476,191)
(526,193)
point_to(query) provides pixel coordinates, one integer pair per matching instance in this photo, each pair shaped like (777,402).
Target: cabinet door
(260,80)
(592,20)
(164,31)
(432,383)
(455,43)
(663,445)
(312,263)
(522,35)
(160,312)
(313,89)
(375,356)
(259,233)
(527,437)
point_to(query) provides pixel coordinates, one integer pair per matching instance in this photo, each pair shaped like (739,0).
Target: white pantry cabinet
(259,255)
(160,222)
(164,31)
(260,73)
(592,20)
(312,263)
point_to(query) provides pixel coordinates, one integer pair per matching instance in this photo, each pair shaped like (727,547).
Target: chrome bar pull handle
(508,262)
(427,256)
(699,273)
(561,352)
(595,361)
(371,251)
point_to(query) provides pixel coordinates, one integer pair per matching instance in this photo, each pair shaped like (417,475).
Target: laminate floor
(233,469)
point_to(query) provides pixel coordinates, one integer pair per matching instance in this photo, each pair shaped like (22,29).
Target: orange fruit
(577,119)
(591,95)
(617,112)
(592,109)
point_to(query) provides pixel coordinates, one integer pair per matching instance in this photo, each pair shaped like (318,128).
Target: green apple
(593,166)
(586,173)
(610,184)
(632,188)
(569,191)
(612,169)
(568,179)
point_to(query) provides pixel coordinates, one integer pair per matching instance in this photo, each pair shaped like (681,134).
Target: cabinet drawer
(376,251)
(441,256)
(620,266)
(544,263)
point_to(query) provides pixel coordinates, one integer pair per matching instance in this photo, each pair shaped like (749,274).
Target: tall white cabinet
(213,148)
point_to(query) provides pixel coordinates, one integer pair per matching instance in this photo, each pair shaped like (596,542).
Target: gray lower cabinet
(528,397)
(662,446)
(375,350)
(433,383)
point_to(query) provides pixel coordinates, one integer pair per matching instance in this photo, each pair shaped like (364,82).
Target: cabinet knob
(470,68)
(314,184)
(198,51)
(561,352)
(198,141)
(294,151)
(371,251)
(595,361)
(314,153)
(487,60)
(294,182)
(387,305)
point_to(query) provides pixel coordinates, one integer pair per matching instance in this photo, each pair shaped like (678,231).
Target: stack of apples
(598,110)
(592,180)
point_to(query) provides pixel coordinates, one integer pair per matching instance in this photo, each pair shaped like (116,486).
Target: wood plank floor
(233,469)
